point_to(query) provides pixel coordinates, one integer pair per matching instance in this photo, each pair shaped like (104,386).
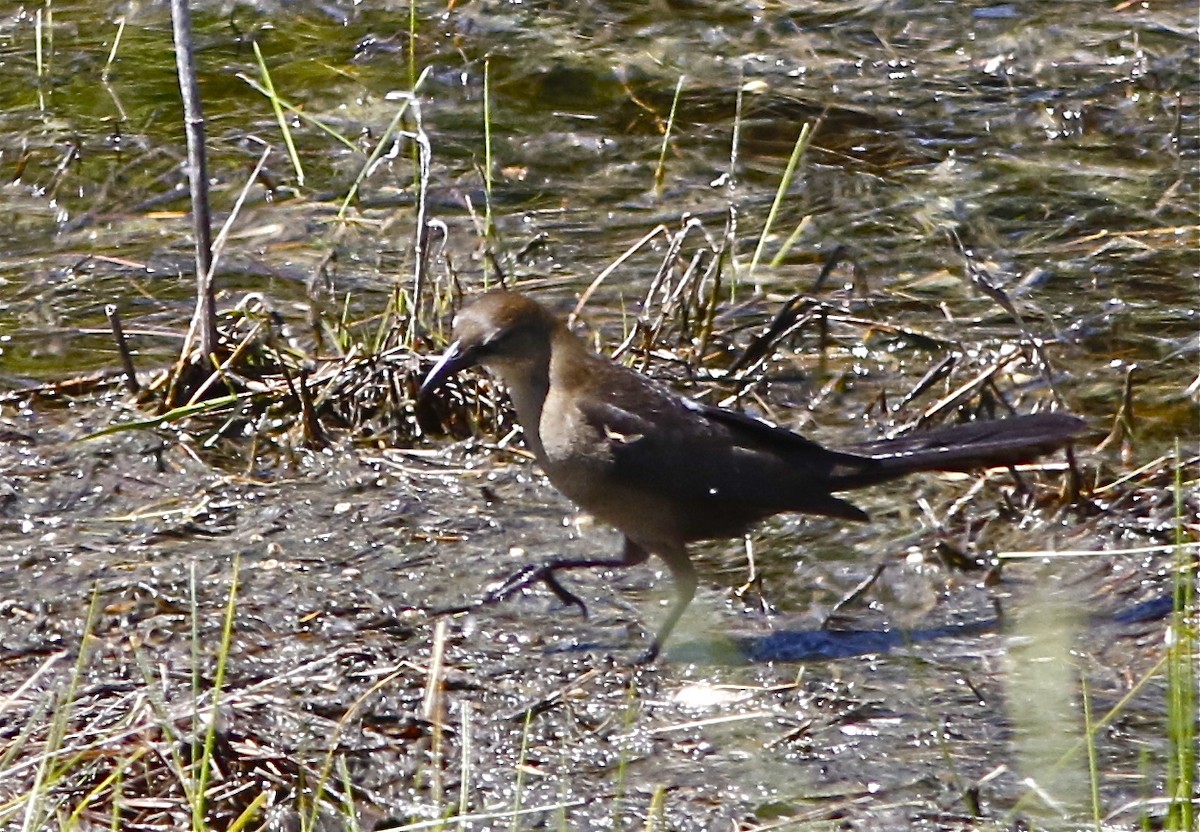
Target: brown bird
(666,470)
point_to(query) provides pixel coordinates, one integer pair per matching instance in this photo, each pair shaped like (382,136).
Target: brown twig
(853,595)
(204,321)
(114,320)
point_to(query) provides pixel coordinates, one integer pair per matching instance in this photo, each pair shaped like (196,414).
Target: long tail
(963,447)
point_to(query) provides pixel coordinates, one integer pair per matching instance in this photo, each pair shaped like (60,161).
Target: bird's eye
(496,340)
(492,345)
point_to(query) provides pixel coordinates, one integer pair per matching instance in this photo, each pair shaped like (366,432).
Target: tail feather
(963,447)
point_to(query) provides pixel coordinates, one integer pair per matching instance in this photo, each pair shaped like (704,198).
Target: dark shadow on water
(1152,610)
(791,645)
(816,645)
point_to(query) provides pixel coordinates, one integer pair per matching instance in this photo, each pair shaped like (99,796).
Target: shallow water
(1059,148)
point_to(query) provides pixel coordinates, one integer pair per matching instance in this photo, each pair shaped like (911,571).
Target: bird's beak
(455,358)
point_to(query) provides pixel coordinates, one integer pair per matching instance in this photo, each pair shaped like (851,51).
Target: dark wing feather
(736,467)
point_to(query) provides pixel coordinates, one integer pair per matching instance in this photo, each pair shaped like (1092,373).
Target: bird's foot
(650,654)
(565,595)
(524,577)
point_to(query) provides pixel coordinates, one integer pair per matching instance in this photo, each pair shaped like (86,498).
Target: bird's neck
(563,366)
(528,385)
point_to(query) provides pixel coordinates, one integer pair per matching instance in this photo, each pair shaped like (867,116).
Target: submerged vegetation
(837,214)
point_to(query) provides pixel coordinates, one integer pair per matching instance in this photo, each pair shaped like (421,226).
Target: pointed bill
(452,360)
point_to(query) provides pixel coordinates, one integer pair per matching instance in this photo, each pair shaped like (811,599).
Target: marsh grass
(785,184)
(1183,674)
(190,758)
(206,754)
(156,774)
(660,170)
(285,129)
(93,748)
(1174,673)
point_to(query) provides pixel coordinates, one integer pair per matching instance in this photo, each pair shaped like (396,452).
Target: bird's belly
(590,485)
(644,514)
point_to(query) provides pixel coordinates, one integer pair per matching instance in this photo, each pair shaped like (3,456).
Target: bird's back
(633,452)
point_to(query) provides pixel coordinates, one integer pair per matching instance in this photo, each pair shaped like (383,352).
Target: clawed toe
(650,655)
(519,580)
(565,595)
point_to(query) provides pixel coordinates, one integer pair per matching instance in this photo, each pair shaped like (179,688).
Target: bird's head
(503,331)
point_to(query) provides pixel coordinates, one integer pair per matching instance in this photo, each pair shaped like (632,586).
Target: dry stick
(932,376)
(707,306)
(679,304)
(1155,467)
(215,250)
(424,157)
(785,318)
(982,280)
(967,390)
(114,320)
(433,706)
(551,699)
(683,298)
(612,267)
(754,374)
(221,367)
(689,298)
(822,315)
(661,279)
(1123,422)
(78,385)
(702,297)
(204,321)
(227,226)
(856,593)
(1073,488)
(490,255)
(665,269)
(831,262)
(310,425)
(724,252)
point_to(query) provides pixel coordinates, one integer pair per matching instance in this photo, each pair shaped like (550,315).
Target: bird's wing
(749,428)
(700,454)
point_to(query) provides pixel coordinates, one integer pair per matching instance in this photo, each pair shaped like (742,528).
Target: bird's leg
(545,572)
(684,575)
(527,576)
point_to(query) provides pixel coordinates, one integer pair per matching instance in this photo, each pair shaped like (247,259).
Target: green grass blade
(660,172)
(802,142)
(284,128)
